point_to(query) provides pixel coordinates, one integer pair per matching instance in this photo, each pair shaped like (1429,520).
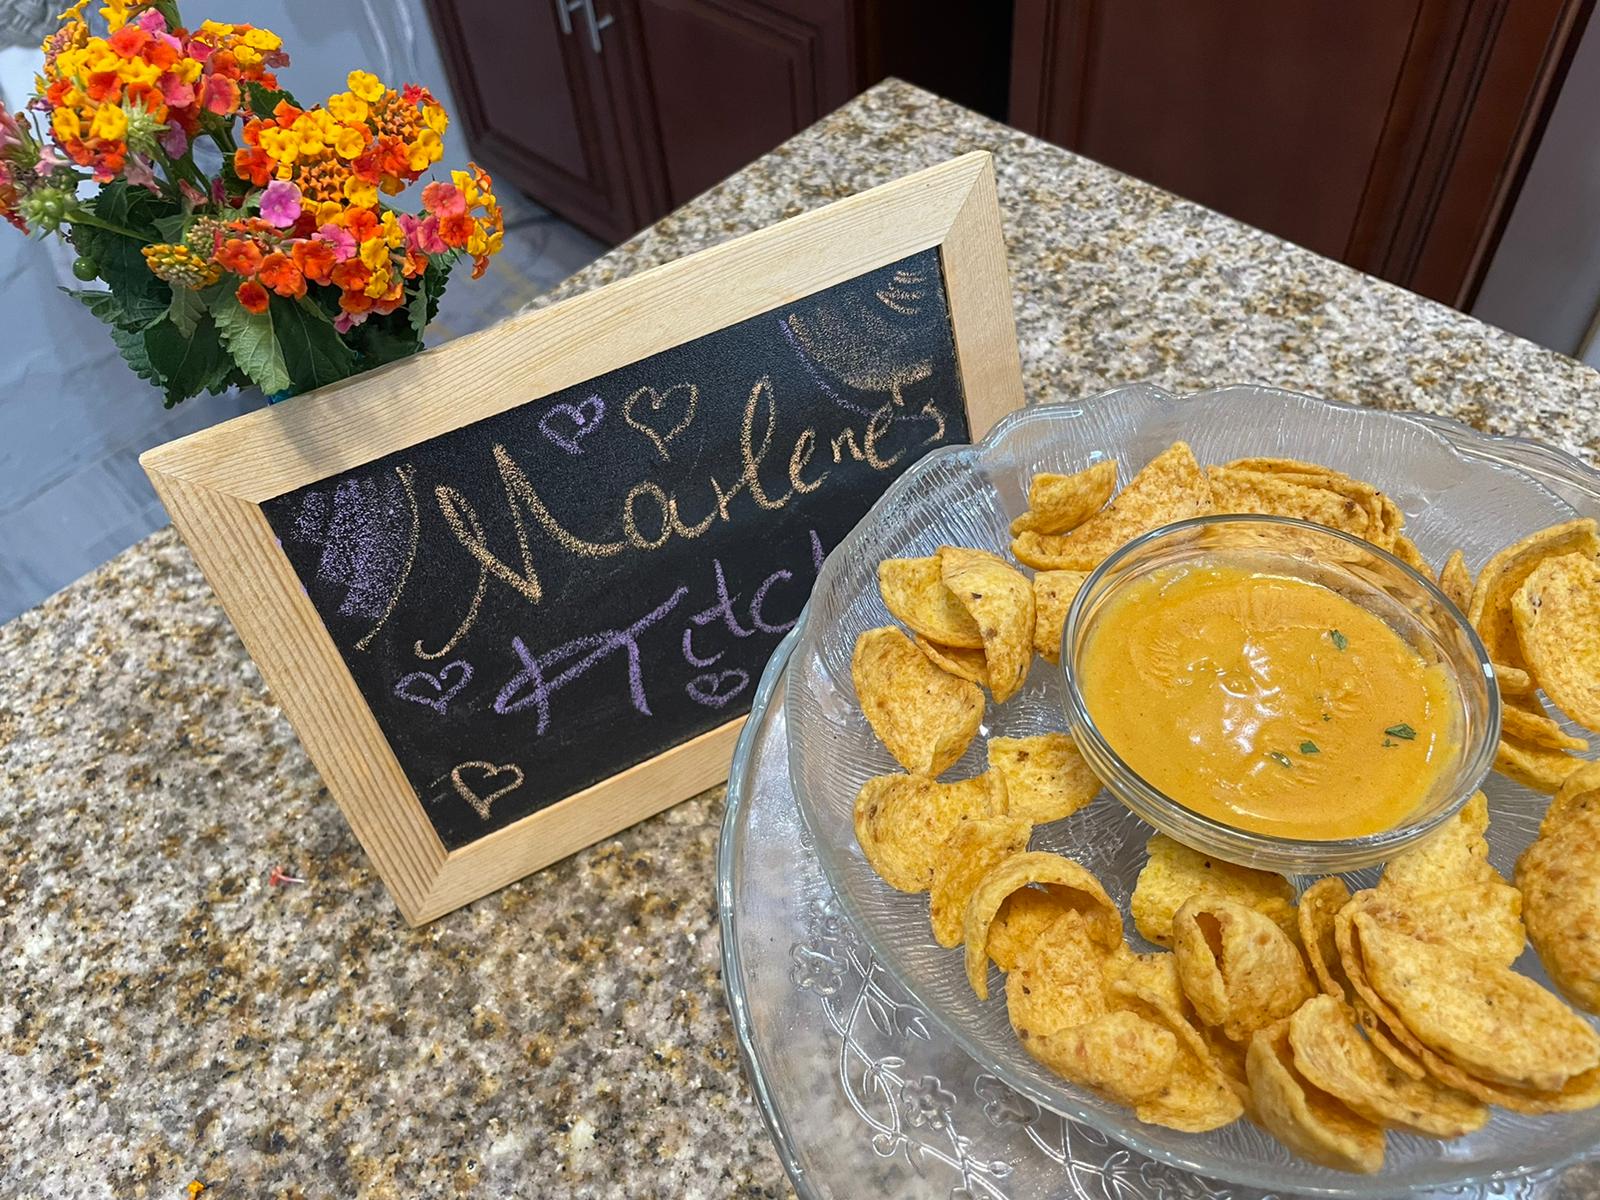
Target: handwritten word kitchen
(537,600)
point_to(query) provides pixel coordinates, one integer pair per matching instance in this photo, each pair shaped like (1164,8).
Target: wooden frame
(214,482)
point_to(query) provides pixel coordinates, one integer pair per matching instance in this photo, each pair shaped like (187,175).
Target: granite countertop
(170,1012)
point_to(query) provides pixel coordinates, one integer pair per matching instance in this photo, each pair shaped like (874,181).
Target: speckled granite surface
(168,1013)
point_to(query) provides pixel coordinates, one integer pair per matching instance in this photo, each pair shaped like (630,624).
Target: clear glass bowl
(1360,572)
(1457,488)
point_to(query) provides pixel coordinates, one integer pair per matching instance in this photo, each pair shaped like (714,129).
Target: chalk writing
(539,600)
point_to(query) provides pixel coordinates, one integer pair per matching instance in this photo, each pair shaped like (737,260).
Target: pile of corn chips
(1328,1020)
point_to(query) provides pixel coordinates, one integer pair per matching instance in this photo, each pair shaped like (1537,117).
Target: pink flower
(346,321)
(280,204)
(220,95)
(176,92)
(175,141)
(443,199)
(137,171)
(342,241)
(151,21)
(49,157)
(10,131)
(191,193)
(425,237)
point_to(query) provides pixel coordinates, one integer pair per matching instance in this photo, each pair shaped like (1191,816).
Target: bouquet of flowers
(241,237)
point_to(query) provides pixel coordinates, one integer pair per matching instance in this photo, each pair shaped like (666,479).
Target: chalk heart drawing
(716,688)
(436,691)
(568,424)
(662,416)
(480,784)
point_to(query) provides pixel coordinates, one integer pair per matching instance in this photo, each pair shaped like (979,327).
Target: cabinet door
(537,109)
(717,83)
(1391,134)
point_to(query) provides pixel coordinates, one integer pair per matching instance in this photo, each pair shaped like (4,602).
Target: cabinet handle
(565,9)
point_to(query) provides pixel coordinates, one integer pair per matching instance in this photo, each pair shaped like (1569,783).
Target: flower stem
(83,217)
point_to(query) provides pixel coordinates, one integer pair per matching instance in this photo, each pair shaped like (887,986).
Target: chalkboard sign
(518,622)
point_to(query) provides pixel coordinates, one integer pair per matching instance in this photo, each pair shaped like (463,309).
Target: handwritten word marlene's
(650,517)
(533,686)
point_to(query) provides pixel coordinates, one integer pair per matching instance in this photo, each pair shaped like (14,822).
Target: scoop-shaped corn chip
(1559,875)
(1057,503)
(1122,1055)
(1069,882)
(913,590)
(1514,681)
(924,716)
(1046,778)
(1063,981)
(1240,971)
(1174,873)
(1454,854)
(1023,916)
(1171,487)
(902,822)
(1484,919)
(1406,551)
(1385,519)
(956,660)
(1332,1055)
(1455,581)
(1556,613)
(1242,490)
(1000,599)
(1505,573)
(1304,1117)
(1542,768)
(1527,722)
(1053,593)
(1318,906)
(1492,1022)
(973,847)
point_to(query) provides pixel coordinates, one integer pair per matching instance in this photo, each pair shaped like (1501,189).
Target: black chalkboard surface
(533,602)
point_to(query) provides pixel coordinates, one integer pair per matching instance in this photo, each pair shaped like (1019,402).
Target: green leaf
(261,100)
(141,297)
(184,362)
(312,349)
(1404,732)
(383,340)
(1339,639)
(132,346)
(187,308)
(171,227)
(249,338)
(134,208)
(1309,748)
(103,305)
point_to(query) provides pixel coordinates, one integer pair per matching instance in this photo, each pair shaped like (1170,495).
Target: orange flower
(240,256)
(351,275)
(361,223)
(455,229)
(315,259)
(104,86)
(253,296)
(128,41)
(253,164)
(280,274)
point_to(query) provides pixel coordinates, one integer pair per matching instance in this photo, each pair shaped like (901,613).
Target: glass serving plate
(1457,488)
(862,1093)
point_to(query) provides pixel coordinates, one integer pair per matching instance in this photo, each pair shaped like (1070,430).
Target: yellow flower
(116,14)
(188,69)
(348,142)
(393,234)
(374,252)
(137,70)
(360,193)
(110,123)
(328,210)
(348,107)
(216,28)
(246,56)
(263,39)
(467,185)
(66,124)
(418,159)
(431,144)
(477,243)
(365,84)
(75,13)
(435,118)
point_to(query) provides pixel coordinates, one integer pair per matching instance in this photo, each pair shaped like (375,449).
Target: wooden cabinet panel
(721,82)
(1390,134)
(537,110)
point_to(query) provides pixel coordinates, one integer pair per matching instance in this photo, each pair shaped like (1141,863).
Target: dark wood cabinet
(613,112)
(1390,134)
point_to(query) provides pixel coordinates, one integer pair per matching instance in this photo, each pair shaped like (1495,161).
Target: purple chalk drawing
(365,534)
(722,608)
(595,648)
(421,687)
(759,599)
(715,689)
(585,418)
(817,552)
(690,657)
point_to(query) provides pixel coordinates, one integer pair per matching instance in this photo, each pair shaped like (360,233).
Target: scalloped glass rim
(1264,850)
(912,517)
